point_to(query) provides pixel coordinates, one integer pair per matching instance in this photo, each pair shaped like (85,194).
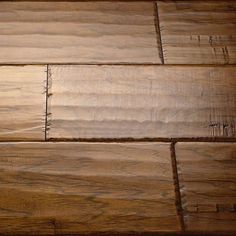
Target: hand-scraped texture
(141,101)
(61,188)
(22,102)
(198,32)
(207,174)
(78,32)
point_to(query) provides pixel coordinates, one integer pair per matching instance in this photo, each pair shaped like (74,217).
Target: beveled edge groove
(157,139)
(158,33)
(178,199)
(48,95)
(119,64)
(46,105)
(124,140)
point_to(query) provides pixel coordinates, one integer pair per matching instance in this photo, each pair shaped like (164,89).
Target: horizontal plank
(86,187)
(141,101)
(22,102)
(78,32)
(207,175)
(198,32)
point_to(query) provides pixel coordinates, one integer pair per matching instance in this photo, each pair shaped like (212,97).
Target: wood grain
(56,188)
(207,174)
(198,32)
(78,32)
(141,101)
(22,102)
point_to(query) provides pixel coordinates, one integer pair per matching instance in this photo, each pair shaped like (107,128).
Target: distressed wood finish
(207,173)
(86,187)
(78,32)
(141,101)
(22,102)
(198,32)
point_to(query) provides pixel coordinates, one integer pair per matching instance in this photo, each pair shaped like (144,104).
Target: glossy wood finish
(207,174)
(22,102)
(86,187)
(138,102)
(78,32)
(198,32)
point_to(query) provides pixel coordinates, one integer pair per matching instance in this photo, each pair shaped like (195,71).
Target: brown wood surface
(22,102)
(207,174)
(86,187)
(78,32)
(198,32)
(141,101)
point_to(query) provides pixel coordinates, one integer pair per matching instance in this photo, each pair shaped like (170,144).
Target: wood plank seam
(124,140)
(46,105)
(120,64)
(48,95)
(158,31)
(178,200)
(181,187)
(204,139)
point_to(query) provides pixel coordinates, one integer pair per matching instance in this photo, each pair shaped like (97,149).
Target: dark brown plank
(78,32)
(86,187)
(141,101)
(198,32)
(22,102)
(207,173)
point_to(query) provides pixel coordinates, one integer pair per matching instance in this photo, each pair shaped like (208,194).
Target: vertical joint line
(178,200)
(46,113)
(158,32)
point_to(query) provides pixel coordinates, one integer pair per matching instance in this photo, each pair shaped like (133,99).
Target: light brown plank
(86,187)
(78,32)
(141,101)
(207,174)
(198,32)
(22,102)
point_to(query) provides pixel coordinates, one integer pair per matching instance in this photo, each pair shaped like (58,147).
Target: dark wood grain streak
(77,32)
(90,102)
(207,174)
(56,188)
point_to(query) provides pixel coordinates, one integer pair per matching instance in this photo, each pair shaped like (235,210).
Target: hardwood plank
(198,32)
(207,174)
(22,102)
(141,101)
(86,187)
(78,32)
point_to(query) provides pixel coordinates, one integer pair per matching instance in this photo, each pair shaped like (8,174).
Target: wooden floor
(118,117)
